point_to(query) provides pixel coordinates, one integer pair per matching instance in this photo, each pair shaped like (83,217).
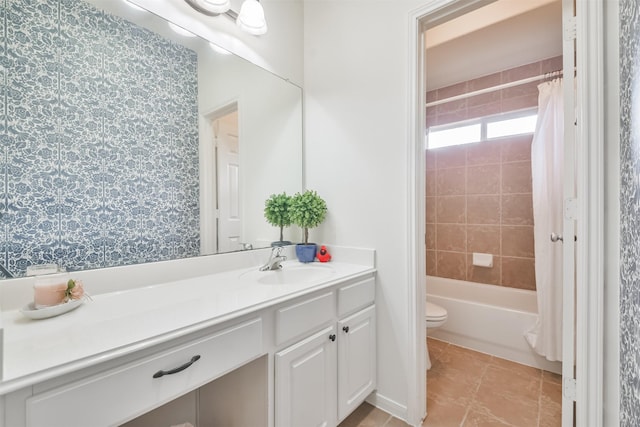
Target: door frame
(590,162)
(208,174)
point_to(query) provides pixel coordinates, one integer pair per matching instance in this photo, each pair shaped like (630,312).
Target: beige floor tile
(449,388)
(550,415)
(366,415)
(395,422)
(436,348)
(509,408)
(516,367)
(551,393)
(444,414)
(551,377)
(524,385)
(479,419)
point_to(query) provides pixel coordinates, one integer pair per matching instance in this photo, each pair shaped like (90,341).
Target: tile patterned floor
(470,389)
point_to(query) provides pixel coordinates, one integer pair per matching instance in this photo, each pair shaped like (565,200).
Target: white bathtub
(489,319)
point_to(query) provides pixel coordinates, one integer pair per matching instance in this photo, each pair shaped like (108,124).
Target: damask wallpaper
(98,120)
(630,213)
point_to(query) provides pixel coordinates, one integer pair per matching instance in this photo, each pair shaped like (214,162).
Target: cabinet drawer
(295,320)
(356,296)
(117,395)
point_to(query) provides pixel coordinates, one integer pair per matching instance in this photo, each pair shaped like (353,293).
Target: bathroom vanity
(290,347)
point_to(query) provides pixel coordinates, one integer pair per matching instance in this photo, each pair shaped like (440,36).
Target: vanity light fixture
(250,19)
(210,7)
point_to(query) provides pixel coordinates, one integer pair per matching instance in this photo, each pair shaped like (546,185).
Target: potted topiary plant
(307,210)
(276,212)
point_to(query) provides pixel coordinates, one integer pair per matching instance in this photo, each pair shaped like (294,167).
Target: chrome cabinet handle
(555,237)
(181,368)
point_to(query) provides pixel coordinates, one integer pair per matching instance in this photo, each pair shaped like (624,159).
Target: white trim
(590,186)
(611,345)
(416,229)
(419,19)
(388,405)
(590,179)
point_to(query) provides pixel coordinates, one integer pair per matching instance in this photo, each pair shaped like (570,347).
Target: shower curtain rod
(494,88)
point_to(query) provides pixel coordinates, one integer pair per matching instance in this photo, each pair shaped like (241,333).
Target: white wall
(356,148)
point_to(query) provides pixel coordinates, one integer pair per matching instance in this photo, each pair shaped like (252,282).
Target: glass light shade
(213,6)
(251,18)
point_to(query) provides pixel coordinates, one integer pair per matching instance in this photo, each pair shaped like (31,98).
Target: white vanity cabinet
(296,356)
(322,378)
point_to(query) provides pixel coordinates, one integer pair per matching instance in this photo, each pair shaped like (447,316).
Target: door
(228,183)
(306,382)
(356,360)
(569,216)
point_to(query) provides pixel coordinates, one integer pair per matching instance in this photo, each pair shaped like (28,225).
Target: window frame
(484,121)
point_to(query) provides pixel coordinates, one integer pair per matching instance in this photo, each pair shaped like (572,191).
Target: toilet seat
(434,313)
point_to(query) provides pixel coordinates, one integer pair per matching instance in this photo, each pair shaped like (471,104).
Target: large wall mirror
(126,142)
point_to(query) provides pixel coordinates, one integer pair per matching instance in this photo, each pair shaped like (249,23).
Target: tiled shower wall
(479,195)
(629,214)
(99,154)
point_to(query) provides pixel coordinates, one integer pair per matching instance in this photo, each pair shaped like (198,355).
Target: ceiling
(501,35)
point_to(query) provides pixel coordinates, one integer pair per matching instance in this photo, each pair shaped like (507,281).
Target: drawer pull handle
(346,329)
(193,360)
(332,337)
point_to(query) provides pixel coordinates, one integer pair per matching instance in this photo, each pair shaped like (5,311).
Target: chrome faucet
(275,260)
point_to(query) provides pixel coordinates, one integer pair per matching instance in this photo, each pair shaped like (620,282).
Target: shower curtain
(547,156)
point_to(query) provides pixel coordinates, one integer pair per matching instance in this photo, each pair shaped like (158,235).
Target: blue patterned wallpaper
(98,120)
(630,213)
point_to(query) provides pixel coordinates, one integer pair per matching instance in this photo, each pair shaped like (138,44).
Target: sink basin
(291,274)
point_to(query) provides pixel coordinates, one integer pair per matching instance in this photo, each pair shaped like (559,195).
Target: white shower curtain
(547,151)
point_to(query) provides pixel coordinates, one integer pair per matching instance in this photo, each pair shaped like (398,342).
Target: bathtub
(489,319)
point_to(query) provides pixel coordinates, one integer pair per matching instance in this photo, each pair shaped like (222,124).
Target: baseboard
(388,405)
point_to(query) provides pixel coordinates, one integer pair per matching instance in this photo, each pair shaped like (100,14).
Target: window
(482,129)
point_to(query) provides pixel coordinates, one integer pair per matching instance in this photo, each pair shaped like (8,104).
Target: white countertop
(118,323)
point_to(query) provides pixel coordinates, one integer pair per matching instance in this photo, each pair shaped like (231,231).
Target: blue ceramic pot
(306,253)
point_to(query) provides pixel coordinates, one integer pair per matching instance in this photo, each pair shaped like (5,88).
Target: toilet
(435,316)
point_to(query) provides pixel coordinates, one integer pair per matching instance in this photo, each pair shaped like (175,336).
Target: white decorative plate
(31,312)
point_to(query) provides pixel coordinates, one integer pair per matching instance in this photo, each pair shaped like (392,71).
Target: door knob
(555,237)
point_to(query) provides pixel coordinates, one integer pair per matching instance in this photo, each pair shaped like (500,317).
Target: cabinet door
(306,382)
(356,360)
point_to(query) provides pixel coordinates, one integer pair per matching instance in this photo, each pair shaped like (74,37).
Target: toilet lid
(435,312)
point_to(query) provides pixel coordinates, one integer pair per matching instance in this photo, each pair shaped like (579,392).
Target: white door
(306,382)
(228,183)
(569,217)
(356,360)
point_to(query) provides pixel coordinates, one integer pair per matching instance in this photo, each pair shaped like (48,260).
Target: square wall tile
(484,179)
(483,153)
(451,265)
(517,209)
(519,273)
(483,239)
(431,210)
(483,209)
(451,157)
(516,177)
(431,263)
(451,182)
(431,236)
(516,148)
(517,241)
(451,237)
(451,209)
(431,183)
(490,275)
